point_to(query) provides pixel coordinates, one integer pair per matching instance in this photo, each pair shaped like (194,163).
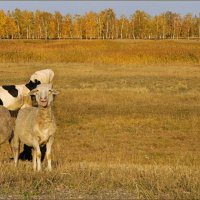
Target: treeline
(24,24)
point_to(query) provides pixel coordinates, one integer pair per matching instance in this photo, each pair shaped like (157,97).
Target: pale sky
(120,7)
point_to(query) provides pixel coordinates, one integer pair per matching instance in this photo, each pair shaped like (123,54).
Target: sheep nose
(43,98)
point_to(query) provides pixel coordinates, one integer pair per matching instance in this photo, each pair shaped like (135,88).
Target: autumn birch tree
(58,20)
(67,30)
(91,25)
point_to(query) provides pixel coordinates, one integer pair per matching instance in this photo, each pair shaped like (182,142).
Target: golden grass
(101,52)
(125,131)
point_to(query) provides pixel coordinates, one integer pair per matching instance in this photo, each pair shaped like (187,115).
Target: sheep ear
(54,92)
(33,92)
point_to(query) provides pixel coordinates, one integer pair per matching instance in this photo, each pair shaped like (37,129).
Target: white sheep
(6,125)
(15,97)
(35,126)
(44,76)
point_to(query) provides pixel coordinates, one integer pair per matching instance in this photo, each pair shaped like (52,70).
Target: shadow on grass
(27,153)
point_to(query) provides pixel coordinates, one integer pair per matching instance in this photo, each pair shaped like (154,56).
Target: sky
(120,7)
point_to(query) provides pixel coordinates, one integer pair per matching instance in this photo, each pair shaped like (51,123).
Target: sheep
(35,126)
(44,76)
(6,125)
(15,97)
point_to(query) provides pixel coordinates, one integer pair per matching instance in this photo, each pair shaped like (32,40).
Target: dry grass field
(128,118)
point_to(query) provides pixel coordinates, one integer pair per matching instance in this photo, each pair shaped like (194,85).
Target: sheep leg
(34,159)
(48,153)
(38,157)
(11,143)
(16,145)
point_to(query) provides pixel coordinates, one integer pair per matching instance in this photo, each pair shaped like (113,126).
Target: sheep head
(44,94)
